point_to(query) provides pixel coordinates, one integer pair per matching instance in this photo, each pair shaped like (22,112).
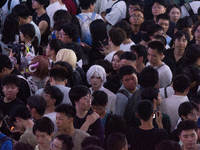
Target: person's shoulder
(80,133)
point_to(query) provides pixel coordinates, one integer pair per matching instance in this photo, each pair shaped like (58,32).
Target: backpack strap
(165,90)
(93,16)
(81,17)
(157,68)
(9,3)
(3,140)
(124,92)
(189,9)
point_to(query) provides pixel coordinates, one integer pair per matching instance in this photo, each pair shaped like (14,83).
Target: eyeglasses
(194,115)
(88,98)
(54,146)
(97,109)
(137,16)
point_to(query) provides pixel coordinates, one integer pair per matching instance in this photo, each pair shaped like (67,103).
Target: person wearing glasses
(85,119)
(62,142)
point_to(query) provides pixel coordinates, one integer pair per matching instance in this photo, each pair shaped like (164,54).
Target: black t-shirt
(140,139)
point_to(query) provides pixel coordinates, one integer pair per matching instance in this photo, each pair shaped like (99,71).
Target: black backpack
(193,16)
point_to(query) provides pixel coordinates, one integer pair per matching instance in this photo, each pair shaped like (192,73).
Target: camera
(16,48)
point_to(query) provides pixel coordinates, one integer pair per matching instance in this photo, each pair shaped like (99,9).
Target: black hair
(67,109)
(124,25)
(67,142)
(116,123)
(148,77)
(58,24)
(195,27)
(38,102)
(85,4)
(10,79)
(153,29)
(147,23)
(186,108)
(100,98)
(5,62)
(157,45)
(29,30)
(1,116)
(192,54)
(77,92)
(71,30)
(170,7)
(195,98)
(144,110)
(21,10)
(161,2)
(75,20)
(198,11)
(141,51)
(10,29)
(76,48)
(44,124)
(98,32)
(180,83)
(126,70)
(105,64)
(161,38)
(56,45)
(91,140)
(136,2)
(62,14)
(116,141)
(186,125)
(163,16)
(43,2)
(59,73)
(150,93)
(25,146)
(117,35)
(55,93)
(185,22)
(168,144)
(92,147)
(128,56)
(20,111)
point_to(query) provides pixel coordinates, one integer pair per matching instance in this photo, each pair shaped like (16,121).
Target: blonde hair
(67,55)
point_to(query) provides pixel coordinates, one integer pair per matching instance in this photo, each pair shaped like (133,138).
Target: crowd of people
(99,75)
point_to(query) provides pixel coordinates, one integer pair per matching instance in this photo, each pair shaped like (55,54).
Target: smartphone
(8,123)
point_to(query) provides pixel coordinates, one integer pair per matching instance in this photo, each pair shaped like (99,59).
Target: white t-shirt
(194,5)
(5,10)
(51,9)
(126,47)
(110,56)
(102,5)
(52,116)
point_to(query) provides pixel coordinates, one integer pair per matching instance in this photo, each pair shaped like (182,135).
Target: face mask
(145,37)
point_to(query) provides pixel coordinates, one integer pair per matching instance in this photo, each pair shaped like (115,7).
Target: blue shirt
(7,144)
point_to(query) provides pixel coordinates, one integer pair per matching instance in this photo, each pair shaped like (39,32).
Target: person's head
(128,77)
(160,38)
(124,25)
(68,33)
(185,24)
(63,142)
(96,76)
(154,30)
(39,67)
(163,20)
(37,105)
(116,36)
(188,111)
(136,17)
(87,4)
(61,15)
(10,29)
(159,7)
(143,28)
(116,60)
(187,131)
(43,130)
(181,84)
(181,39)
(53,95)
(117,141)
(27,34)
(53,47)
(196,98)
(37,4)
(65,114)
(91,140)
(196,31)
(168,144)
(100,101)
(18,115)
(22,12)
(128,58)
(148,77)
(80,96)
(192,54)
(144,110)
(135,4)
(141,53)
(21,145)
(155,53)
(68,56)
(116,123)
(105,64)
(152,94)
(10,86)
(174,12)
